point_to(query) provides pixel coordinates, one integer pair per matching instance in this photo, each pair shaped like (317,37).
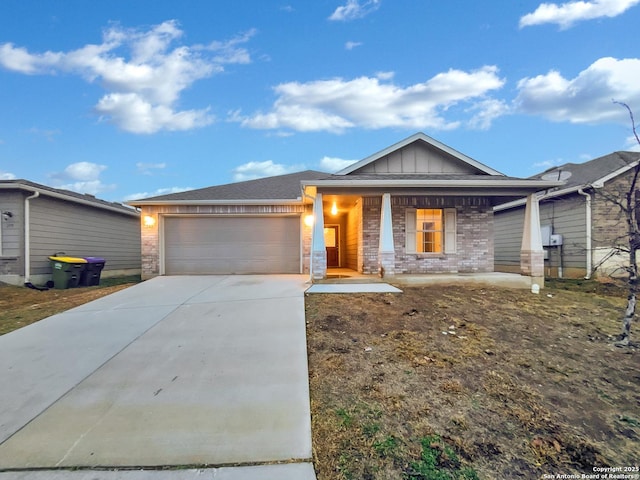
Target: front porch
(492,279)
(374,238)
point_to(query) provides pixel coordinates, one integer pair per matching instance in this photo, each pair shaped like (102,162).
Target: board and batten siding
(82,231)
(567,217)
(417,158)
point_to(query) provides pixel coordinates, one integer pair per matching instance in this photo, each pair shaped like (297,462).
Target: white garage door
(227,245)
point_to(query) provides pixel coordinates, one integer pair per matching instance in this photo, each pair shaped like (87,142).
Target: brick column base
(387,264)
(319,265)
(532,265)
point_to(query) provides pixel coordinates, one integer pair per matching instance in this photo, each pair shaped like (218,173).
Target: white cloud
(632,144)
(7,176)
(83,171)
(353,9)
(569,13)
(49,135)
(334,164)
(587,98)
(81,177)
(486,112)
(159,191)
(148,168)
(253,170)
(375,102)
(547,164)
(142,90)
(133,113)
(352,45)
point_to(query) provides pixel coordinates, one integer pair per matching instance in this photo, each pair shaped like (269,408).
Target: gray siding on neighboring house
(567,217)
(508,227)
(11,233)
(78,230)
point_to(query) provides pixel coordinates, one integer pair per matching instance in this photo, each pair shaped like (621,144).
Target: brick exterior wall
(150,236)
(608,222)
(474,236)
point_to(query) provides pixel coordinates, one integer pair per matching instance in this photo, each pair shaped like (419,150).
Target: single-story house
(37,221)
(580,227)
(416,207)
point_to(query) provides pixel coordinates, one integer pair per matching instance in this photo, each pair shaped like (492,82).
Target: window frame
(448,231)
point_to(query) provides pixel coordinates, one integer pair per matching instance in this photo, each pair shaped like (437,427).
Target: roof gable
(418,154)
(67,195)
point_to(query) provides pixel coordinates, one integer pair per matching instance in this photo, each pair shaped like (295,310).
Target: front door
(331,243)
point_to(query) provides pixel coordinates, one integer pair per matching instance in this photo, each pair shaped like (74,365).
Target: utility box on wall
(555,240)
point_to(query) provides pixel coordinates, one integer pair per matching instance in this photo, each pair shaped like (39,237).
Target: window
(431,230)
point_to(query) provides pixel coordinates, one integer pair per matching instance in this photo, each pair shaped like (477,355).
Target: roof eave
(143,203)
(534,185)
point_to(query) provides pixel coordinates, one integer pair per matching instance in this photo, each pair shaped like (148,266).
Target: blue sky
(127,99)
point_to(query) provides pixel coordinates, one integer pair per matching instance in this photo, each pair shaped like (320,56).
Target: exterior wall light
(334,209)
(149,221)
(308,220)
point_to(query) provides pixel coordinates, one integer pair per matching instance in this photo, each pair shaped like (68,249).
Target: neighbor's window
(431,230)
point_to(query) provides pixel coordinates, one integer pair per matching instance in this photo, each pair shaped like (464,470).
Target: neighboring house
(580,228)
(416,207)
(37,221)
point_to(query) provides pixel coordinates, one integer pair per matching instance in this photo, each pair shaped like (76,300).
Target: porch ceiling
(344,203)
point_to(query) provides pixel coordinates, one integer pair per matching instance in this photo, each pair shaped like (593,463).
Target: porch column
(318,250)
(386,250)
(531,253)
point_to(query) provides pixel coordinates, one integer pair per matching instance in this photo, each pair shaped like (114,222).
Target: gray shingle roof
(71,196)
(582,174)
(280,187)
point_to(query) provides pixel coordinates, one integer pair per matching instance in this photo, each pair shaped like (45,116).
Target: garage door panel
(225,245)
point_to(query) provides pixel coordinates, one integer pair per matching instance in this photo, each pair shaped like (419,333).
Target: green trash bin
(67,271)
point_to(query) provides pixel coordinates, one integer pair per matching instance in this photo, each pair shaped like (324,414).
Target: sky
(129,99)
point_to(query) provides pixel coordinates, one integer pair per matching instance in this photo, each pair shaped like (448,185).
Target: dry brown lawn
(471,382)
(21,306)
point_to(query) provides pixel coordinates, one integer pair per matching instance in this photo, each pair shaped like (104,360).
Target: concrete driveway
(175,371)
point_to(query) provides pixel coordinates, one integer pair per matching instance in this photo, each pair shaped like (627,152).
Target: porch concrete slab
(496,279)
(291,471)
(43,361)
(353,288)
(216,380)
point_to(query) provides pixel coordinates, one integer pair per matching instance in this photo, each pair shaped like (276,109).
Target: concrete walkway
(174,371)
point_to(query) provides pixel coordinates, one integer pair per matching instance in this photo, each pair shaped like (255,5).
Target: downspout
(27,237)
(587,198)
